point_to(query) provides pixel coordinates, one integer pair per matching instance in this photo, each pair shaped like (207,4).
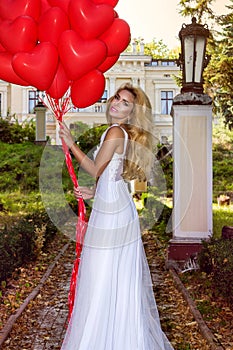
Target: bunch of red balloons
(56,44)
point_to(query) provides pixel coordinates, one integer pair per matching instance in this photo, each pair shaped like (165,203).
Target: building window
(32,101)
(74,109)
(168,63)
(166,101)
(104,96)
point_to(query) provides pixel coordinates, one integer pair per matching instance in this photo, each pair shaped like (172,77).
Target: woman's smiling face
(121,106)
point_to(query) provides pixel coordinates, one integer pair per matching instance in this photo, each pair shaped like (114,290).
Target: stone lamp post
(40,111)
(192,149)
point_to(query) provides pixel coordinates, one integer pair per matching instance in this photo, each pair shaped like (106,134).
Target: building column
(192,192)
(142,83)
(112,86)
(157,99)
(134,81)
(4,104)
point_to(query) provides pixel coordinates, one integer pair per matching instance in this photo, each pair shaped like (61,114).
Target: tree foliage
(78,128)
(11,131)
(201,9)
(157,49)
(91,138)
(223,75)
(219,75)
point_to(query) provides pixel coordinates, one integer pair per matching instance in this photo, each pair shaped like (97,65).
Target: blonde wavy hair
(139,157)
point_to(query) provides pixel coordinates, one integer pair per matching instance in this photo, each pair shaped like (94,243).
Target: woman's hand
(84,192)
(65,134)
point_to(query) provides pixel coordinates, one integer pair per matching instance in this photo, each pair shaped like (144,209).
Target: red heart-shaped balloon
(18,35)
(80,56)
(88,89)
(117,37)
(108,2)
(108,63)
(39,66)
(60,83)
(45,6)
(7,72)
(63,4)
(2,49)
(52,24)
(88,19)
(10,9)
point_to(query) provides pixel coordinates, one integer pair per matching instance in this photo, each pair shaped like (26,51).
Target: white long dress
(114,307)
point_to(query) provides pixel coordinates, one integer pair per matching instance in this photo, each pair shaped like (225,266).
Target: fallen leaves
(42,323)
(176,319)
(217,314)
(24,279)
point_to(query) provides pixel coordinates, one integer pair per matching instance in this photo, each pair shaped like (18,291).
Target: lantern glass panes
(192,59)
(200,50)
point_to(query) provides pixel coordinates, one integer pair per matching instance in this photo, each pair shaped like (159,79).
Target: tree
(174,52)
(219,73)
(201,9)
(157,49)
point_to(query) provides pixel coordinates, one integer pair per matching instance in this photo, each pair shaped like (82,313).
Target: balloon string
(59,108)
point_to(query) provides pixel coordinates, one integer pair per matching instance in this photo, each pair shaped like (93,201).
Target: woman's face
(121,107)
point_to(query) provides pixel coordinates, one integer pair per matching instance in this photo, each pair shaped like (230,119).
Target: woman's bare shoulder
(114,132)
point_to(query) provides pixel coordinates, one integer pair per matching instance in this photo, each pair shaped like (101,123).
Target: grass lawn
(222,216)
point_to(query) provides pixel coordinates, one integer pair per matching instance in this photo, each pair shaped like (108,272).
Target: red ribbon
(59,108)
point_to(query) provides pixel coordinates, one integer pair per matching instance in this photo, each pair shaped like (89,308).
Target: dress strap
(126,138)
(126,135)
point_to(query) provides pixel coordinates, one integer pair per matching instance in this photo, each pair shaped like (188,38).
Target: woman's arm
(113,142)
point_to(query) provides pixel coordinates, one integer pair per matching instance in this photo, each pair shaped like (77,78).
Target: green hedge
(22,241)
(11,131)
(19,166)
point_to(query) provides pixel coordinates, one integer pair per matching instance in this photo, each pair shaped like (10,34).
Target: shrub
(90,138)
(216,259)
(166,163)
(222,159)
(78,128)
(19,242)
(13,132)
(156,217)
(19,166)
(162,228)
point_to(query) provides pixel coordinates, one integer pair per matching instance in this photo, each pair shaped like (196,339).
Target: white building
(155,77)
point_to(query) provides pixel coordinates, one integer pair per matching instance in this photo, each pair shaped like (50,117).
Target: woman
(114,307)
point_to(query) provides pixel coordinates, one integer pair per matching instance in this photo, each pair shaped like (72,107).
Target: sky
(158,19)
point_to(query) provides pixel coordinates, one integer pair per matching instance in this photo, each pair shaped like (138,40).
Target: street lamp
(193,57)
(192,150)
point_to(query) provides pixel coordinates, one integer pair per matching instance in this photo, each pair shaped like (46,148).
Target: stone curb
(5,331)
(205,331)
